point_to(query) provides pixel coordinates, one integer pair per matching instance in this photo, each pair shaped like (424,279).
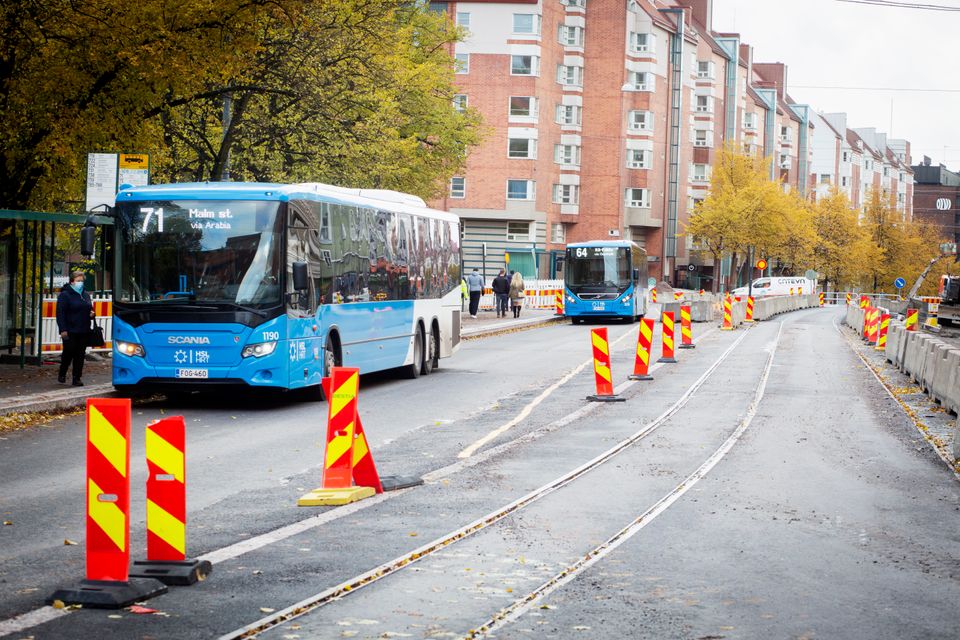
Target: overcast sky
(836,44)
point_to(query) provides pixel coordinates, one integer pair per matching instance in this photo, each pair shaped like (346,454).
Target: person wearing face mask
(74,313)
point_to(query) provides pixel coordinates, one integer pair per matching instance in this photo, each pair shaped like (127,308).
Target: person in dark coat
(501,289)
(74,314)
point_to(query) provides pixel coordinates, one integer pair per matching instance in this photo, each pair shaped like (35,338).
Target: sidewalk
(36,388)
(487,322)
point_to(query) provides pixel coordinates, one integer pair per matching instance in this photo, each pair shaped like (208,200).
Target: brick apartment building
(936,197)
(604,118)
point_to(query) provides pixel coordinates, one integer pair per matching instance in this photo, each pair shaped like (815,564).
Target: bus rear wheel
(412,371)
(432,359)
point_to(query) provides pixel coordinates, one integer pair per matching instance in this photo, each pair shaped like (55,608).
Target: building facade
(936,197)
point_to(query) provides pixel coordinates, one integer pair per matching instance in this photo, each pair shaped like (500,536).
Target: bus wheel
(331,359)
(577,320)
(432,358)
(412,371)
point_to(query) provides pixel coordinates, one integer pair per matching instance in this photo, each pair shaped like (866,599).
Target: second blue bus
(605,279)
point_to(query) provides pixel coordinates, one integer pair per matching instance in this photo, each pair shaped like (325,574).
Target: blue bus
(605,279)
(270,285)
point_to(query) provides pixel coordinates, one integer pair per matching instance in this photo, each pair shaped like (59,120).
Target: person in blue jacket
(74,314)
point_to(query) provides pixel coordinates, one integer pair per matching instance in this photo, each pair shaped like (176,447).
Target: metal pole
(750,272)
(23,295)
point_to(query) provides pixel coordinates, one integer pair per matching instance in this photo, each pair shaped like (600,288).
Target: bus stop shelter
(37,252)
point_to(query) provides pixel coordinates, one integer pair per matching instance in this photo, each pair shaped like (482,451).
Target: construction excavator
(949,291)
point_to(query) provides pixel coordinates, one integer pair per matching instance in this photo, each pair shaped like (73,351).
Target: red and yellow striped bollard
(677,295)
(558,302)
(641,366)
(791,291)
(884,325)
(749,314)
(874,325)
(866,324)
(913,319)
(686,328)
(727,314)
(167,507)
(602,367)
(108,584)
(822,295)
(653,295)
(667,338)
(337,485)
(864,302)
(849,296)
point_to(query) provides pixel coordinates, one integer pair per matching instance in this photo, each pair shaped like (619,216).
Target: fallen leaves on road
(68,542)
(8,523)
(266,610)
(136,608)
(19,421)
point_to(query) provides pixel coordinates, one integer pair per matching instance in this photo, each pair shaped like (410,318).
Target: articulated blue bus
(270,285)
(605,279)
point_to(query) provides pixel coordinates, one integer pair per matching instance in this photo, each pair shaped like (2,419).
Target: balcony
(635,217)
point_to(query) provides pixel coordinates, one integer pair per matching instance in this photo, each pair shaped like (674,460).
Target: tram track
(392,567)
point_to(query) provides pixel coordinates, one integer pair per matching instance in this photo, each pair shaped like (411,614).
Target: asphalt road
(765,486)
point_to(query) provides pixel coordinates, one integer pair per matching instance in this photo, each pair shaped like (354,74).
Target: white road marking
(18,624)
(521,606)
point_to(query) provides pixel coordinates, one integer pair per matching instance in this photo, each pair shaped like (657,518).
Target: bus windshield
(213,251)
(597,269)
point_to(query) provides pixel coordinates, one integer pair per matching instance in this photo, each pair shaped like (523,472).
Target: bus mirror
(88,240)
(636,275)
(301,281)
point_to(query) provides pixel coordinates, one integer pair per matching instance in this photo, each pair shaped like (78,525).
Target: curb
(54,400)
(520,324)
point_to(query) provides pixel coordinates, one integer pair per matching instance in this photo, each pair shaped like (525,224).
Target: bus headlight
(259,350)
(129,348)
(626,299)
(570,299)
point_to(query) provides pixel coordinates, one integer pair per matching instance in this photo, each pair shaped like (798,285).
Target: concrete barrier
(944,378)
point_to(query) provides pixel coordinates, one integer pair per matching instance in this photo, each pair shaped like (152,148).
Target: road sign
(691,267)
(949,248)
(899,283)
(134,169)
(761,264)
(651,282)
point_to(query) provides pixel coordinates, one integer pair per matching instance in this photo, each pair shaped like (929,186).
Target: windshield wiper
(243,308)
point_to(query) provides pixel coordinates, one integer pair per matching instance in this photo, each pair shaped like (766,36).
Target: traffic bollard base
(393,483)
(667,360)
(108,594)
(173,573)
(634,376)
(606,399)
(334,497)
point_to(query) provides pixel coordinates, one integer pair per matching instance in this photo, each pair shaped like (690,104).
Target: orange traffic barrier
(686,328)
(558,303)
(822,295)
(167,508)
(884,325)
(602,367)
(913,319)
(343,419)
(108,584)
(750,303)
(641,367)
(849,295)
(653,295)
(727,314)
(667,338)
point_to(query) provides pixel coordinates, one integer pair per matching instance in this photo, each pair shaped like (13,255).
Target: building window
(703,104)
(700,138)
(784,161)
(570,75)
(570,36)
(641,42)
(705,69)
(637,198)
(520,189)
(750,121)
(574,3)
(638,159)
(566,194)
(639,80)
(784,134)
(846,157)
(518,231)
(460,102)
(901,176)
(523,106)
(557,233)
(526,23)
(844,181)
(700,173)
(566,154)
(886,172)
(522,148)
(462,63)
(524,65)
(569,114)
(463,19)
(826,178)
(640,120)
(458,187)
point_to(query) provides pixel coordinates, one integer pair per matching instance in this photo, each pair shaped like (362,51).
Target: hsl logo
(188,340)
